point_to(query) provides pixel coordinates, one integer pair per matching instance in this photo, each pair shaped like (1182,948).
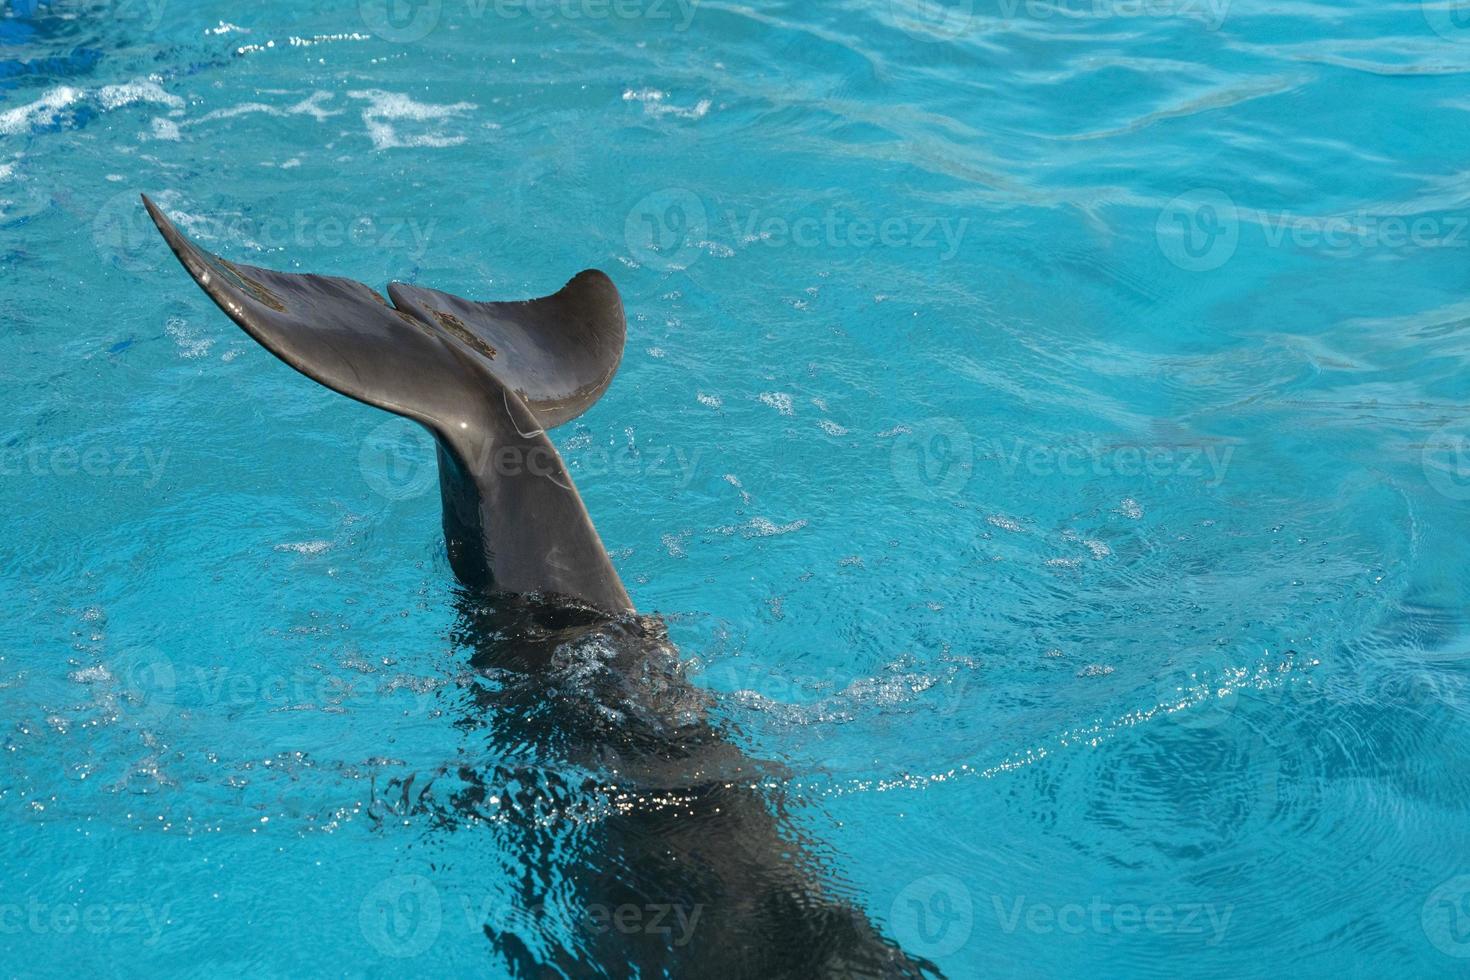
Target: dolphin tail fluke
(486,379)
(559,352)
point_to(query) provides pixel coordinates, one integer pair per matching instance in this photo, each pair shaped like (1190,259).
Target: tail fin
(559,352)
(486,379)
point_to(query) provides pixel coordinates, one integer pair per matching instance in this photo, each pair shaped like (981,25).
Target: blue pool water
(1043,427)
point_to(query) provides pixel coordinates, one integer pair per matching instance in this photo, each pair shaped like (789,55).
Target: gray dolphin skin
(486,379)
(691,841)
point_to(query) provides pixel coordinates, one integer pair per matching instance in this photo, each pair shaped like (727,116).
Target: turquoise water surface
(1043,427)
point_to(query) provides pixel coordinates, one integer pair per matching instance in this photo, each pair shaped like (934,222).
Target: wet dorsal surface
(653,844)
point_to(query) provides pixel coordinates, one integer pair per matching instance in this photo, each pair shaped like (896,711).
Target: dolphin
(691,867)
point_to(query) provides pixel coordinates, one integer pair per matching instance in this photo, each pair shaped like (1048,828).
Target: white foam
(48,109)
(674,543)
(311,107)
(387,108)
(654,105)
(190,344)
(305,547)
(761,527)
(41,112)
(142,90)
(778,400)
(229,112)
(306,42)
(91,675)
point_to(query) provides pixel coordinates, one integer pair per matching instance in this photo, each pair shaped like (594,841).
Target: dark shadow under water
(670,854)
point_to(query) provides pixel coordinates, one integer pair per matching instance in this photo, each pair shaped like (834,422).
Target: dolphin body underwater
(688,837)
